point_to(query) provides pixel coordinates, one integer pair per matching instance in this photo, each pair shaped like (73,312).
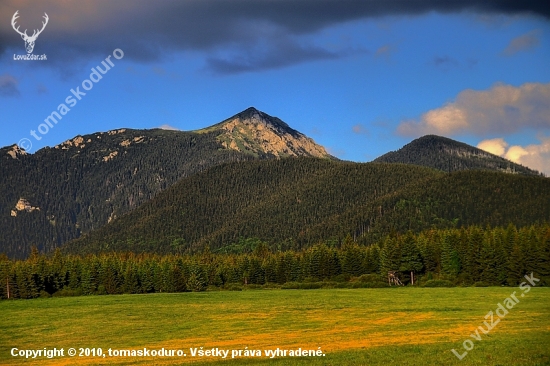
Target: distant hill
(297,202)
(56,194)
(450,156)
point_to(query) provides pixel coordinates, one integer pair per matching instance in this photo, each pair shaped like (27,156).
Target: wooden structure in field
(393,278)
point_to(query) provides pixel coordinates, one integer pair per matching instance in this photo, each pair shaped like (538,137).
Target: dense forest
(295,203)
(81,188)
(56,194)
(118,187)
(450,156)
(444,257)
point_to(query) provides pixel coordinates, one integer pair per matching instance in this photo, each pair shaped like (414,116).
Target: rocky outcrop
(16,151)
(23,205)
(255,132)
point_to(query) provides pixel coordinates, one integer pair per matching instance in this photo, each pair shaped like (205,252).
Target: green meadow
(394,326)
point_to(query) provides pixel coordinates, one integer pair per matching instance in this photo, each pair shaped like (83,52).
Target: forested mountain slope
(54,195)
(297,202)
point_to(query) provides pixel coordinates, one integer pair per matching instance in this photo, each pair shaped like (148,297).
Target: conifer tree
(197,280)
(516,266)
(87,282)
(372,260)
(131,279)
(296,273)
(5,265)
(255,271)
(532,254)
(315,261)
(487,260)
(269,266)
(177,278)
(411,259)
(283,267)
(390,256)
(472,265)
(351,258)
(450,261)
(427,247)
(110,278)
(334,265)
(545,256)
(147,277)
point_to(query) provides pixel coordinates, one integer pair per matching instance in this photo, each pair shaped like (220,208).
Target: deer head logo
(29,41)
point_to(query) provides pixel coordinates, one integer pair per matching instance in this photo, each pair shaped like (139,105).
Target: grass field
(397,326)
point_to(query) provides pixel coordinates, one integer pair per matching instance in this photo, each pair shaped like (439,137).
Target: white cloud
(515,153)
(502,109)
(535,156)
(494,146)
(168,127)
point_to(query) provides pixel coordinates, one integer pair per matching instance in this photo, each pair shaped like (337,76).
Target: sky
(359,77)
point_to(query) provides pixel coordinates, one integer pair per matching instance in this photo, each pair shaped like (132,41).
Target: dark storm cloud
(147,30)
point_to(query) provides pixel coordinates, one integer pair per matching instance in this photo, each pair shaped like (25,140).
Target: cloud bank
(503,108)
(147,30)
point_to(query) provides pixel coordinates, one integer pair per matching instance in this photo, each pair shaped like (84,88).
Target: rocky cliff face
(255,132)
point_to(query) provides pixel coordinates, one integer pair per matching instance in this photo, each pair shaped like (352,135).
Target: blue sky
(357,83)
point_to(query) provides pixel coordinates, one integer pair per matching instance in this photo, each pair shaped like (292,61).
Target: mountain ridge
(449,155)
(87,181)
(58,193)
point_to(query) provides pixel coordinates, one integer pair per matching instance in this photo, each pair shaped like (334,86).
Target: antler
(13,21)
(35,35)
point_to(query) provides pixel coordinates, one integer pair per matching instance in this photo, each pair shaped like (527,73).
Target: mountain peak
(252,116)
(257,133)
(446,154)
(249,112)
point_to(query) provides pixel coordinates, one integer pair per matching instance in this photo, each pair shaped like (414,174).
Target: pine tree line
(466,256)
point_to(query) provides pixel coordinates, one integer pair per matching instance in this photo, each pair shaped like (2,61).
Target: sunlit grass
(405,326)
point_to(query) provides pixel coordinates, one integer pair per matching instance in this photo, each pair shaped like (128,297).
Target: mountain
(255,132)
(56,194)
(295,203)
(449,155)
